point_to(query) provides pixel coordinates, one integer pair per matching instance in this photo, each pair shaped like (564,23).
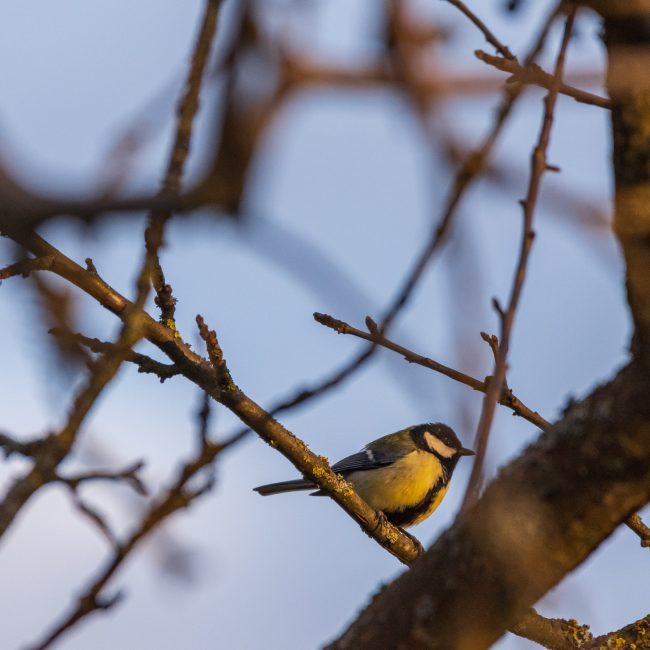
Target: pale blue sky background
(349,174)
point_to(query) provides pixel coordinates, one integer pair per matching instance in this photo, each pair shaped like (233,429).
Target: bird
(404,475)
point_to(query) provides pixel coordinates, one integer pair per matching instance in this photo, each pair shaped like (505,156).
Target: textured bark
(542,516)
(548,510)
(627,37)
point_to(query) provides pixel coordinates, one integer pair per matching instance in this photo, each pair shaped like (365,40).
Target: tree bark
(551,508)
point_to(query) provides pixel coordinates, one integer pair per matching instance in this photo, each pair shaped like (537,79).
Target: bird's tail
(284,486)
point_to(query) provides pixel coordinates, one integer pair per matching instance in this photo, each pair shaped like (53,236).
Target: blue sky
(343,193)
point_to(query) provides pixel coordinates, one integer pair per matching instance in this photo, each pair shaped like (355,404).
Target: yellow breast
(401,485)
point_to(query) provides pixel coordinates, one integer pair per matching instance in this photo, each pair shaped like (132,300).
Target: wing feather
(363,461)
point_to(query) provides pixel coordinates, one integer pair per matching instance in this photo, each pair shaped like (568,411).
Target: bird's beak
(466,452)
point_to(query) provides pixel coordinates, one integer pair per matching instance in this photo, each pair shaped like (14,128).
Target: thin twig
(145,364)
(171,185)
(538,167)
(129,475)
(489,36)
(536,76)
(25,267)
(507,398)
(176,497)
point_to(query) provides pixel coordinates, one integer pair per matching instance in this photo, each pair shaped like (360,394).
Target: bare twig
(171,185)
(507,398)
(144,363)
(538,167)
(94,517)
(25,267)
(176,497)
(534,75)
(129,475)
(636,524)
(489,36)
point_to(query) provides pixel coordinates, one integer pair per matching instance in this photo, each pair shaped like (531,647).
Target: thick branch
(538,520)
(627,37)
(254,416)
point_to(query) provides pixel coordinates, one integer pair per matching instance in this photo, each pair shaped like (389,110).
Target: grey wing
(363,461)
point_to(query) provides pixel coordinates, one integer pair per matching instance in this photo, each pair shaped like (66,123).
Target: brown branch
(507,397)
(539,165)
(252,415)
(128,475)
(203,374)
(94,517)
(178,496)
(145,364)
(10,445)
(553,633)
(535,75)
(48,457)
(537,521)
(635,636)
(25,267)
(171,186)
(489,36)
(636,524)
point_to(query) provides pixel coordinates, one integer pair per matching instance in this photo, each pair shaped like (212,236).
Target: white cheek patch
(437,445)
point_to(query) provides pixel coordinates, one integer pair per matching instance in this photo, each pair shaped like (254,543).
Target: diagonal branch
(171,185)
(489,36)
(507,398)
(538,520)
(144,363)
(539,165)
(533,74)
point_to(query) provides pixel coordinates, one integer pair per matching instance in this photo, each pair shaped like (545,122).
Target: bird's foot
(382,520)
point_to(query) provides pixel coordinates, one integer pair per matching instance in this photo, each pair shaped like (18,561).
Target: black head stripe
(441,431)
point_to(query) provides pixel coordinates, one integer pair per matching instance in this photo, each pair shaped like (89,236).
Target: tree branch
(534,75)
(538,166)
(507,397)
(538,520)
(636,524)
(171,186)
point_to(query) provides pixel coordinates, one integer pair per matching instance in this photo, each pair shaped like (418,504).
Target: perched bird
(404,474)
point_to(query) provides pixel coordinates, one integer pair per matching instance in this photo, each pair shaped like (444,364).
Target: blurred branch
(171,186)
(373,335)
(32,448)
(176,497)
(533,74)
(51,454)
(128,475)
(548,509)
(145,364)
(538,165)
(215,380)
(94,517)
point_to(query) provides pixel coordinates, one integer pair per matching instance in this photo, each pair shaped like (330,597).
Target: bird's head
(440,440)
